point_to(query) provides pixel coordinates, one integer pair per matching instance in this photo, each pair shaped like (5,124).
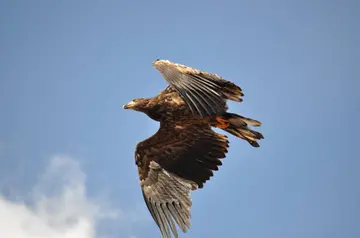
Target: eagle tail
(239,126)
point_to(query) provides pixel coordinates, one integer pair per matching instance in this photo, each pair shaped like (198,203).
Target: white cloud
(59,206)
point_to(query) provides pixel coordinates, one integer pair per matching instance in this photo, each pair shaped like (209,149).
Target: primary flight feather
(182,155)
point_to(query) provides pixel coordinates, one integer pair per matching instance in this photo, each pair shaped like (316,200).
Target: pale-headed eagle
(182,155)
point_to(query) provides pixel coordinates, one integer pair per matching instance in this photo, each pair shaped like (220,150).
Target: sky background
(67,147)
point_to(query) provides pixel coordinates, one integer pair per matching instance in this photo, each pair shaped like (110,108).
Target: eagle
(185,151)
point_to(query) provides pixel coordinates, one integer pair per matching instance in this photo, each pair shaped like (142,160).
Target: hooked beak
(129,105)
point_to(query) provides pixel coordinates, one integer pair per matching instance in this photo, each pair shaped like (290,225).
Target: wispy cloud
(59,206)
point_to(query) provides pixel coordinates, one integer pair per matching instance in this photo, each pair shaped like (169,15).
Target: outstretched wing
(173,162)
(167,197)
(204,93)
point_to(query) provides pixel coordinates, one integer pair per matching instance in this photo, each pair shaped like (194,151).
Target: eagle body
(184,153)
(167,106)
(176,123)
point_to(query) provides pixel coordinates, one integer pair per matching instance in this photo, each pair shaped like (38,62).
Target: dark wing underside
(178,160)
(204,93)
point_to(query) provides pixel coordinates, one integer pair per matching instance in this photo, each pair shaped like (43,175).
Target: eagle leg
(221,122)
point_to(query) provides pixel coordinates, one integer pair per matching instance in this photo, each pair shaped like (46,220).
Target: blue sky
(67,67)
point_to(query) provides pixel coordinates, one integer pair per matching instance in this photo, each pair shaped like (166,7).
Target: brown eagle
(182,155)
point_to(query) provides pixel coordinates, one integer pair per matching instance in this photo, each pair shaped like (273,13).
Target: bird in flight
(182,155)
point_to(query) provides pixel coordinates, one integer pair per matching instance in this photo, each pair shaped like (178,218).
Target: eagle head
(138,104)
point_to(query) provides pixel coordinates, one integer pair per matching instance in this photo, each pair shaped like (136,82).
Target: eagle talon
(222,123)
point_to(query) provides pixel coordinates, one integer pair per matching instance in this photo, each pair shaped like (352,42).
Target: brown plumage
(182,155)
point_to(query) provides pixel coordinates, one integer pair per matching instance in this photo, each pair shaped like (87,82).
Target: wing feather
(204,93)
(168,197)
(174,162)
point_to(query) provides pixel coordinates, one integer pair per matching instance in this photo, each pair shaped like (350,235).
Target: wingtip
(158,62)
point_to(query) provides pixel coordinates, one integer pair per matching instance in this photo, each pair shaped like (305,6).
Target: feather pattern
(204,93)
(168,198)
(173,162)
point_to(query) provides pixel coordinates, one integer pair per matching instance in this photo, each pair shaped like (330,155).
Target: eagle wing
(173,162)
(203,92)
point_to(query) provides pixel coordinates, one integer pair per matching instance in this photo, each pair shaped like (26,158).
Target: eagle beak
(129,105)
